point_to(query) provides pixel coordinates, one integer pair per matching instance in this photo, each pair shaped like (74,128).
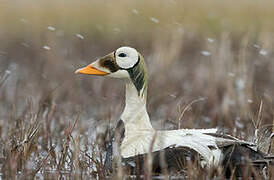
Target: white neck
(135,114)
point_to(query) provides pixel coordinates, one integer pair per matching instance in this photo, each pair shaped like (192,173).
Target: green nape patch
(138,75)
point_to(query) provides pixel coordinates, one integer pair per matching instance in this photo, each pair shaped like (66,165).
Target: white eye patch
(126,57)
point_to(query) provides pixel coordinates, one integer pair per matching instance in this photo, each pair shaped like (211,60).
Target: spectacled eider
(171,150)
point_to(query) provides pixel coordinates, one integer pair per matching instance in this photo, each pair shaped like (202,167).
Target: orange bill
(90,70)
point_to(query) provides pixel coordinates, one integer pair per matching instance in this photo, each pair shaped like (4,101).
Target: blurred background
(212,58)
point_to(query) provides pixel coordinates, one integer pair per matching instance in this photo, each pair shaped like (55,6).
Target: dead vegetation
(53,124)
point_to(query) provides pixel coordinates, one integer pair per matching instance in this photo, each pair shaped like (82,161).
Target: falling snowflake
(256,46)
(263,52)
(211,40)
(249,101)
(172,95)
(206,53)
(51,28)
(7,72)
(155,20)
(46,48)
(80,36)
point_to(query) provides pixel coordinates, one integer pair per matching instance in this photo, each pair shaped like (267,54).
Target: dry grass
(53,123)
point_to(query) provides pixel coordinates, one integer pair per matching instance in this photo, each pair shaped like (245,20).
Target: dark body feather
(240,159)
(169,160)
(237,161)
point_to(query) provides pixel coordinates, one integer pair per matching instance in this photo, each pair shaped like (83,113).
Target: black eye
(122,55)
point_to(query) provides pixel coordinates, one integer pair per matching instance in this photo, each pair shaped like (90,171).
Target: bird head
(124,63)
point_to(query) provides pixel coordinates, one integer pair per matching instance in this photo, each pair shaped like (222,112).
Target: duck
(136,140)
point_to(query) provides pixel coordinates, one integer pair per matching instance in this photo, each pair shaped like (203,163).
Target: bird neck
(135,114)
